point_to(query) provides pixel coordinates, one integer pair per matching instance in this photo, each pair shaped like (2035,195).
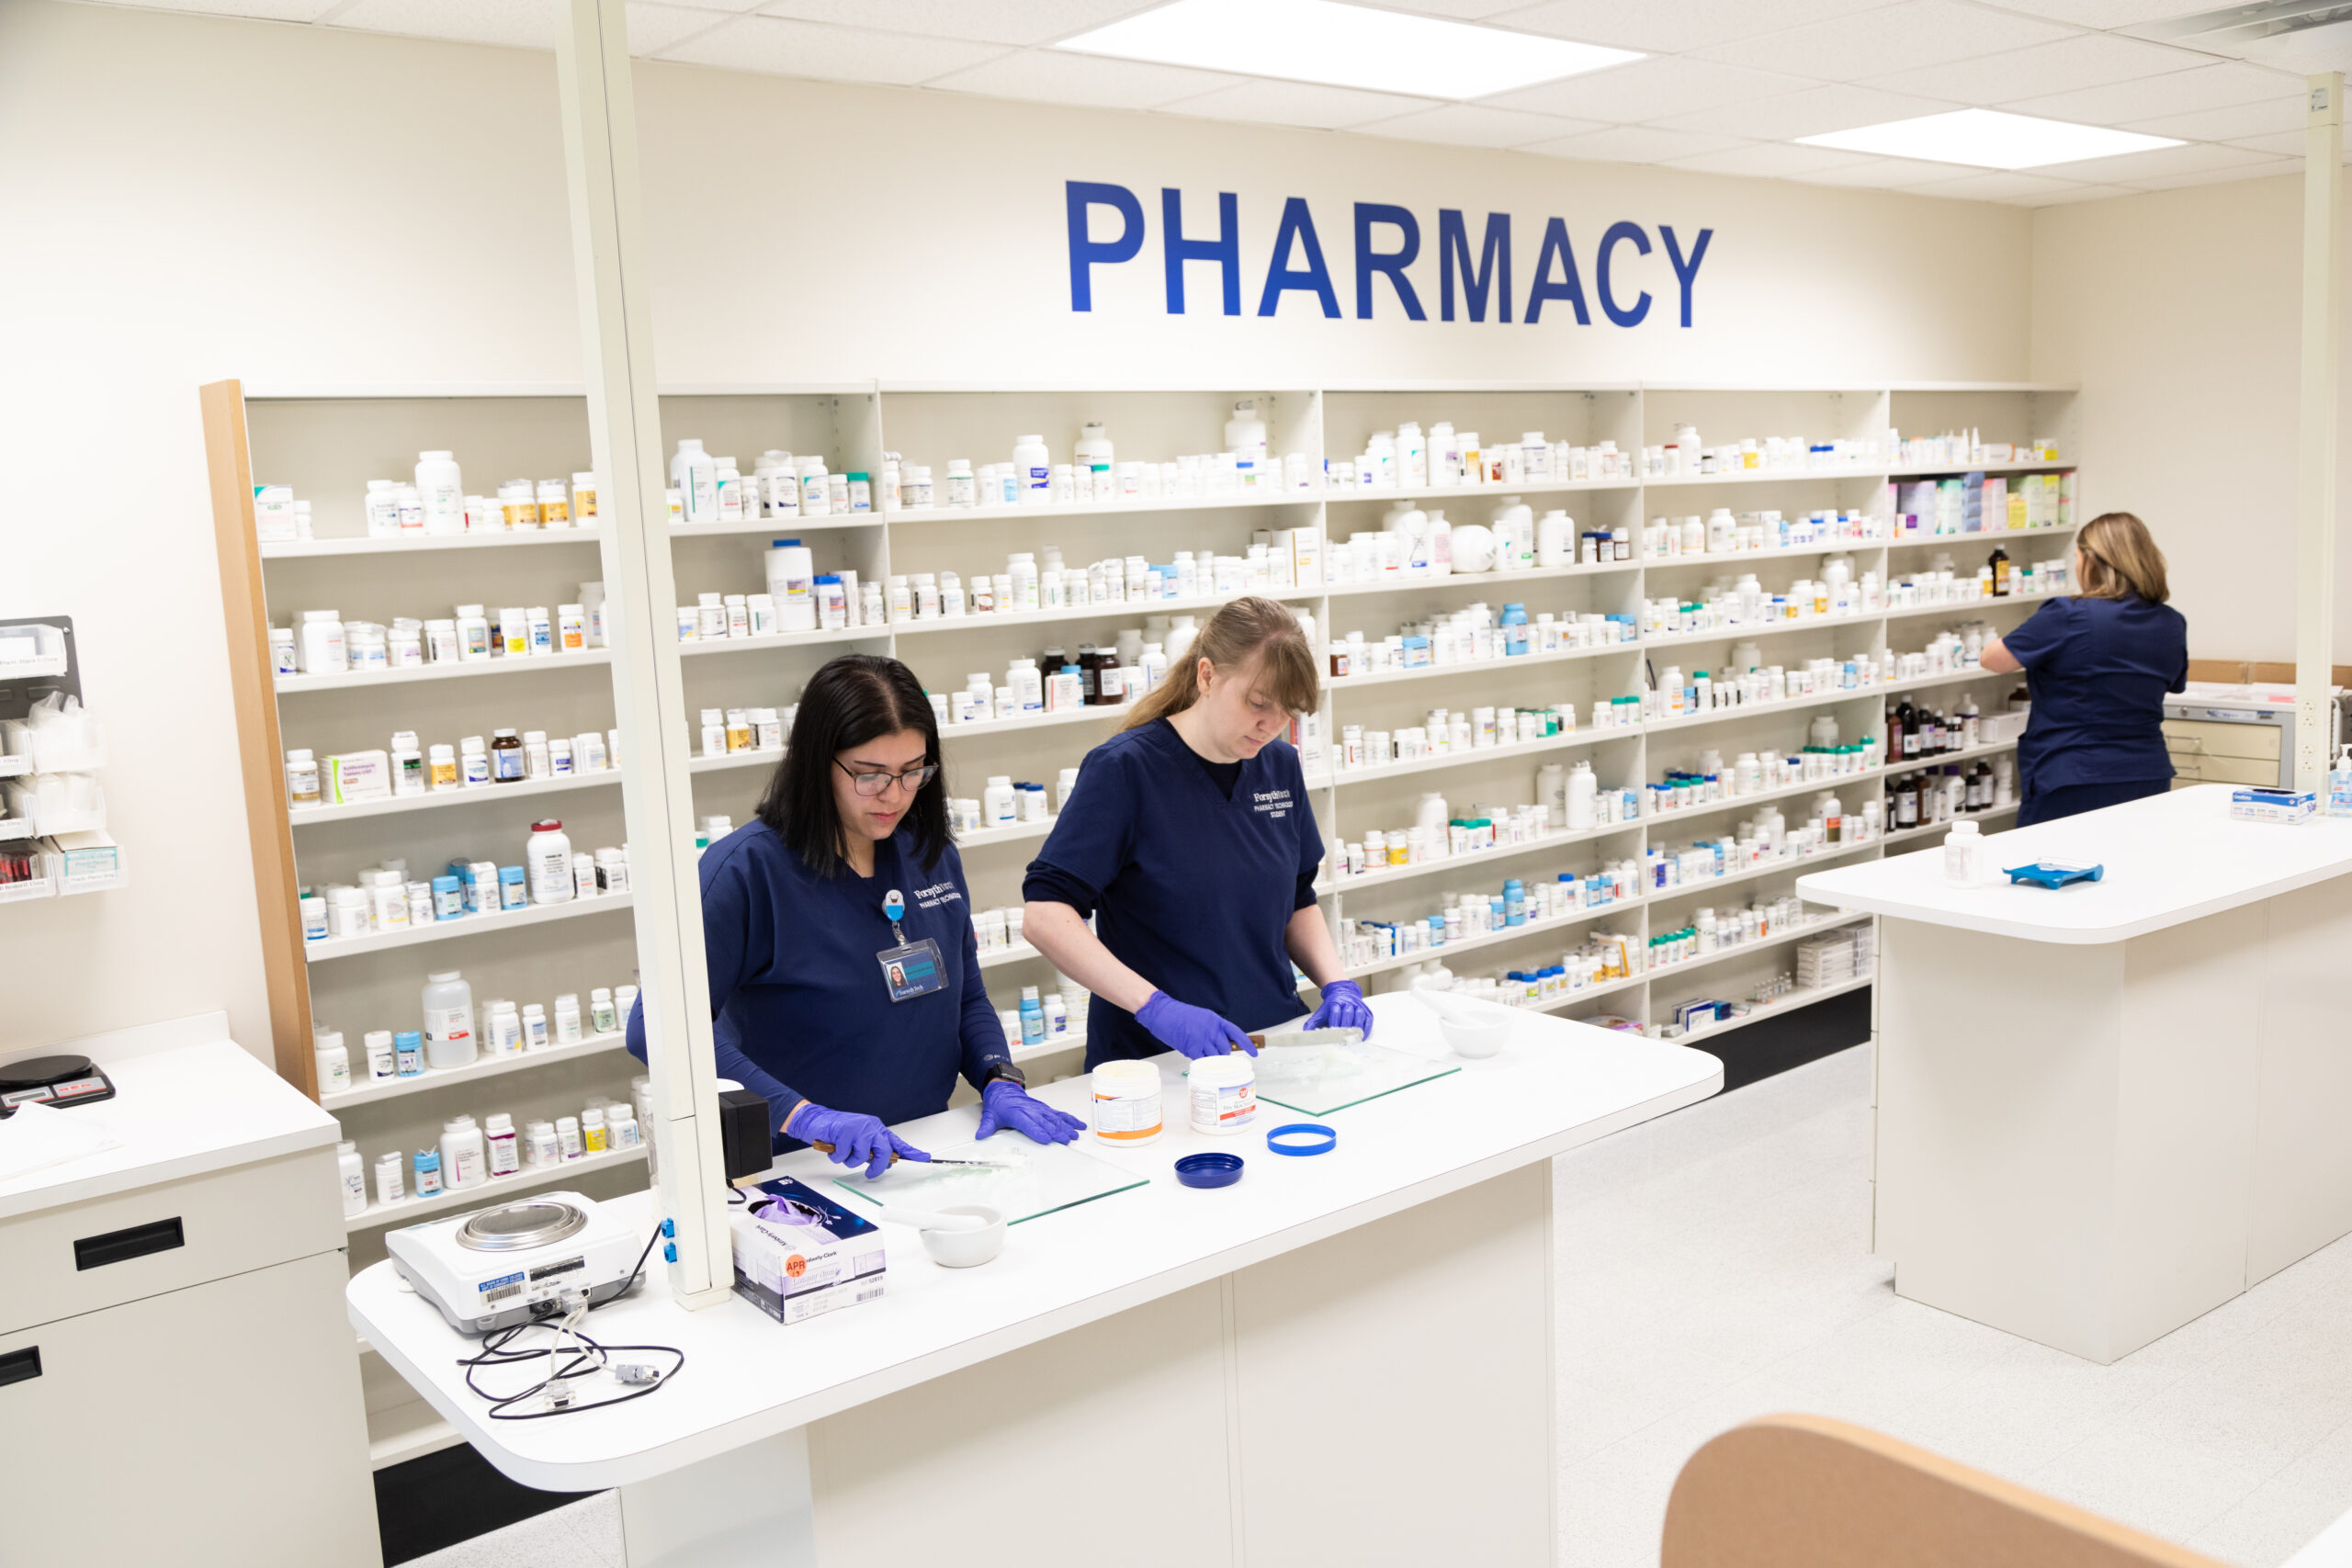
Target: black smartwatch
(1007,1072)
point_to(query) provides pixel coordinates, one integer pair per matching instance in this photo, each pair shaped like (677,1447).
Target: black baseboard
(425,1505)
(1775,1044)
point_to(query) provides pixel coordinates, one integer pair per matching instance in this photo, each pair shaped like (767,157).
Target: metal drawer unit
(2238,735)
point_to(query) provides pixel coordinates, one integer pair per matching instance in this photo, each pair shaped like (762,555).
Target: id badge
(913,970)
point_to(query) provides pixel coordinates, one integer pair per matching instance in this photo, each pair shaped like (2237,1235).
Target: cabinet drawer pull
(20,1366)
(120,1246)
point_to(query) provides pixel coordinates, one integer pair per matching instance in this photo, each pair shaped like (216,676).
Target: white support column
(649,696)
(2315,510)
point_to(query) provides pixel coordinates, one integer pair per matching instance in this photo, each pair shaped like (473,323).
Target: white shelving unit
(326,445)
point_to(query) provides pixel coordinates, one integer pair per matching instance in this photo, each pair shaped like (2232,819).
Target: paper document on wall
(37,1136)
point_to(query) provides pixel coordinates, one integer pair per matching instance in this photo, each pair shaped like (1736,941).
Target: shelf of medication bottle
(1042,721)
(1720,559)
(289,685)
(1762,476)
(1509,933)
(1965,607)
(750,757)
(1588,994)
(479,1068)
(1012,833)
(1467,865)
(1473,666)
(326,948)
(1947,678)
(1566,740)
(1121,609)
(1019,952)
(1796,932)
(1663,821)
(1996,535)
(1912,835)
(304,815)
(1052,1045)
(1955,470)
(1759,710)
(777,527)
(1238,500)
(1787,1001)
(1495,579)
(1742,633)
(1393,494)
(404,544)
(493,1191)
(689,646)
(1795,864)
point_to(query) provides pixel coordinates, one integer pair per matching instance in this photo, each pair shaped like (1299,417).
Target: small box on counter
(800,1254)
(2261,805)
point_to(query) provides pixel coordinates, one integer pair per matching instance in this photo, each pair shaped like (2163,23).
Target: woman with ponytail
(1190,840)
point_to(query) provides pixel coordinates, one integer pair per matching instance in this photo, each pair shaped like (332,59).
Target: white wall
(189,198)
(2179,313)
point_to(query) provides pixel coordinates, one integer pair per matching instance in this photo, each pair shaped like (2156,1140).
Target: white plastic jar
(548,853)
(1223,1093)
(1127,1104)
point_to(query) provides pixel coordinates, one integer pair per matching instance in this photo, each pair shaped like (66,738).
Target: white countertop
(176,1114)
(2169,859)
(1558,1084)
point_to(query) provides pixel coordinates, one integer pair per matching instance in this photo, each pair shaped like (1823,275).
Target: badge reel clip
(909,969)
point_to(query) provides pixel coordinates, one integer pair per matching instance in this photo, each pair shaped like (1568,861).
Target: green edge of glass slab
(1099,1179)
(1355,1089)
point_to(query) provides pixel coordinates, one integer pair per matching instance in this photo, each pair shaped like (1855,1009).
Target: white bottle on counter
(462,1163)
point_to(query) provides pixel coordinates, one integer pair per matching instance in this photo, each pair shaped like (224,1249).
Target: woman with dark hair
(844,976)
(1190,840)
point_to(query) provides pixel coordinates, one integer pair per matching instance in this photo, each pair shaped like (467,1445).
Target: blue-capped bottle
(1514,624)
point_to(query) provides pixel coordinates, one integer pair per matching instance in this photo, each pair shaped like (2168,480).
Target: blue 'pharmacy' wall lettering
(1387,242)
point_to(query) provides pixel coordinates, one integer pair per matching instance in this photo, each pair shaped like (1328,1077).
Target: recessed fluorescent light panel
(1987,139)
(1344,46)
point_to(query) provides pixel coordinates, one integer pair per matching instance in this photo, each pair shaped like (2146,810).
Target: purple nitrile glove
(1006,1104)
(1192,1032)
(849,1138)
(1344,1007)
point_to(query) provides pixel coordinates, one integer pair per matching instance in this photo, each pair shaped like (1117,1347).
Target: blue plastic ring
(1324,1139)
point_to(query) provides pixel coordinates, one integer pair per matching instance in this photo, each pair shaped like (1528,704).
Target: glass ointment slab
(1317,1083)
(1029,1180)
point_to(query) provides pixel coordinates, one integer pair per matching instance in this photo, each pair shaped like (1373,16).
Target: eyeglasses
(913,779)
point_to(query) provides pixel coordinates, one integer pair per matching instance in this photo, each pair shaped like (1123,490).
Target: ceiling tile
(2239,123)
(1996,185)
(2288,144)
(2106,13)
(1768,160)
(2067,193)
(1884,174)
(517,24)
(1671,28)
(2217,176)
(1647,90)
(1633,144)
(2087,59)
(779,47)
(1476,125)
(985,21)
(1896,37)
(1814,111)
(654,27)
(2134,168)
(1460,10)
(265,10)
(1050,76)
(1298,103)
(2179,92)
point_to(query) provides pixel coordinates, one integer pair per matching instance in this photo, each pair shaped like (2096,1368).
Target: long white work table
(2105,1109)
(1341,1358)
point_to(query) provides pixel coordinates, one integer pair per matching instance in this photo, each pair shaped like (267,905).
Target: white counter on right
(2106,1109)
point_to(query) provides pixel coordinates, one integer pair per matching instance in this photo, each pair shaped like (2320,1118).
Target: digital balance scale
(53,1081)
(512,1263)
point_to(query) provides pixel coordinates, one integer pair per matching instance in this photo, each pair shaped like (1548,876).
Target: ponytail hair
(1246,631)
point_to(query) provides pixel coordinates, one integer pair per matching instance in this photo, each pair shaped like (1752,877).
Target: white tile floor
(1713,1267)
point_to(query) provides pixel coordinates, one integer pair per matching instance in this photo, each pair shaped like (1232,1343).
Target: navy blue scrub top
(2097,670)
(1190,885)
(796,994)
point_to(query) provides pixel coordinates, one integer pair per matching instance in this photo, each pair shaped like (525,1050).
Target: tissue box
(798,1254)
(2274,804)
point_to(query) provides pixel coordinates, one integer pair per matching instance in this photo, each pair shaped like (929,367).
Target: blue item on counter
(1303,1138)
(1209,1171)
(2054,873)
